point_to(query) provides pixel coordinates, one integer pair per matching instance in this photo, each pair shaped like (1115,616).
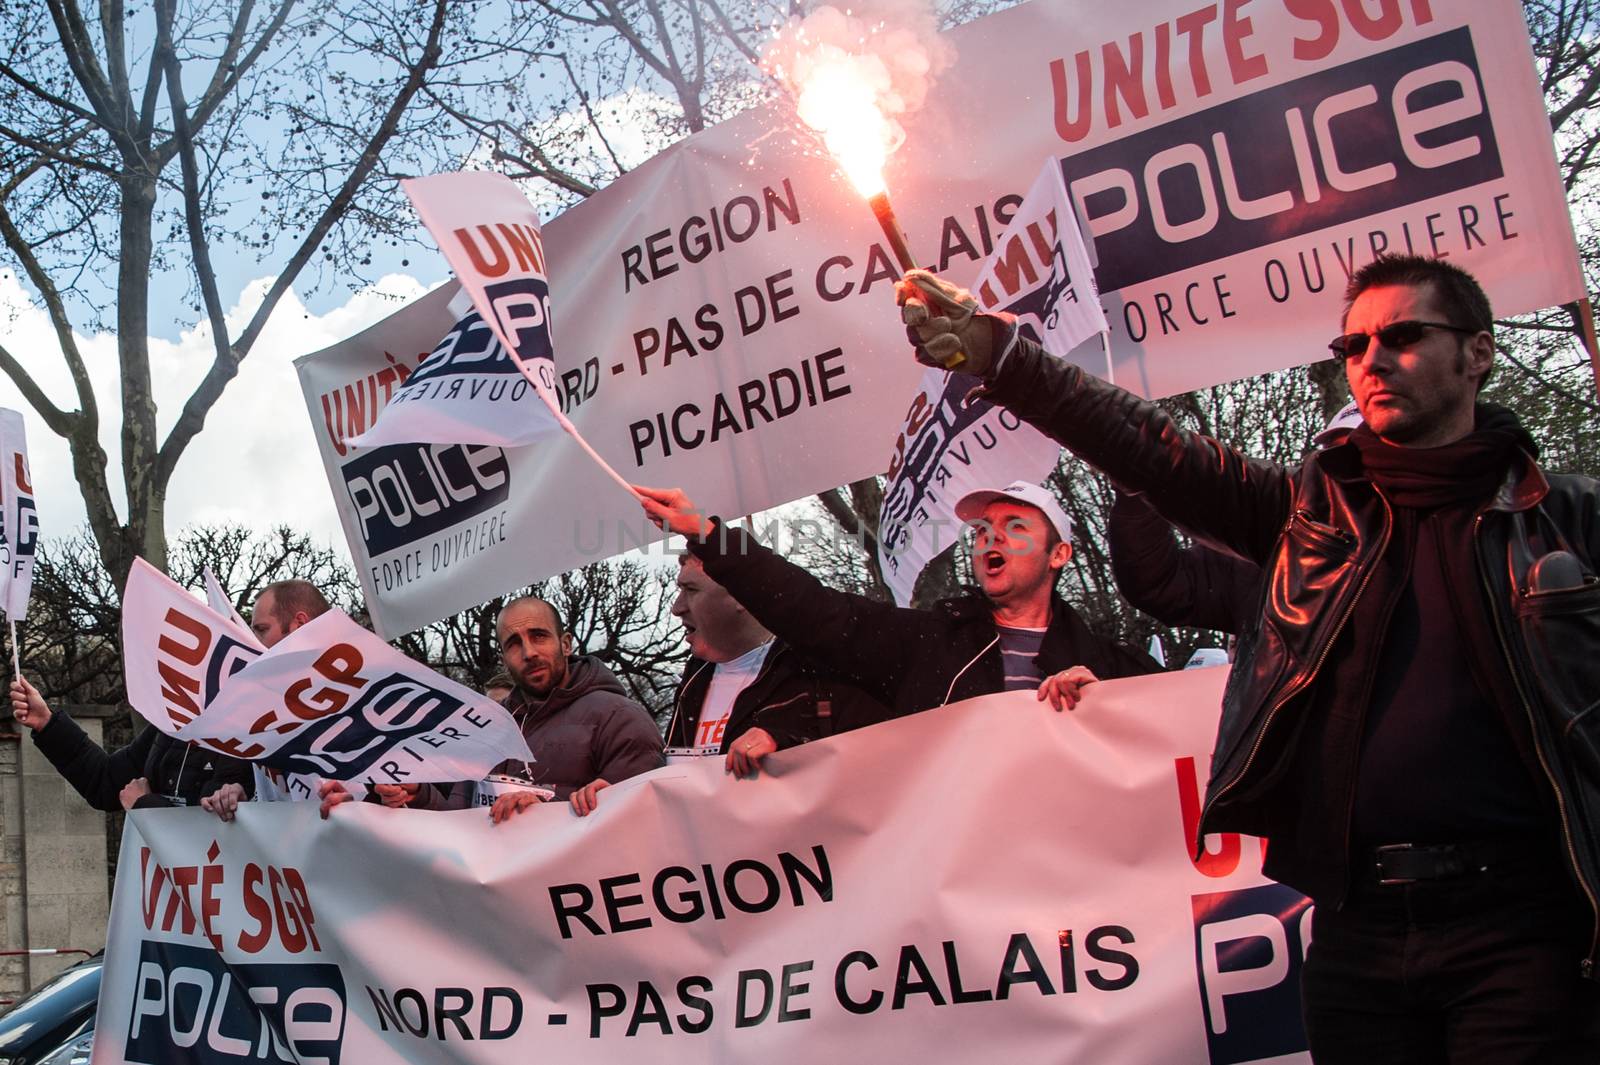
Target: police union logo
(192,1008)
(1250,946)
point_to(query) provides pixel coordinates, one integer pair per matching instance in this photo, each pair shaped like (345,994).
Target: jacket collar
(1523,488)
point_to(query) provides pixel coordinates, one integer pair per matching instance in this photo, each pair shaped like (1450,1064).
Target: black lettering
(1096,949)
(564,912)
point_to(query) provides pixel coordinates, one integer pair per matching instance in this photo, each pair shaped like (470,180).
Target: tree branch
(74,36)
(28,85)
(205,276)
(192,419)
(59,421)
(57,310)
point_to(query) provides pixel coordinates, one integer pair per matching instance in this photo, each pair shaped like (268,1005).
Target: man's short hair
(561,622)
(501,679)
(1458,294)
(292,597)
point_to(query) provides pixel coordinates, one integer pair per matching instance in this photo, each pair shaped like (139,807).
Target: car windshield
(60,999)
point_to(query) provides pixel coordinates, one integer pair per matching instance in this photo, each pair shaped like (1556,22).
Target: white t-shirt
(728,679)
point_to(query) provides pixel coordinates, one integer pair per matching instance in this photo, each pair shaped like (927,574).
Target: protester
(744,693)
(281,608)
(586,734)
(499,687)
(154,770)
(1014,632)
(1405,723)
(1195,585)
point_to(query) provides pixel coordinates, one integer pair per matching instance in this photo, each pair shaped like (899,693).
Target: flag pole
(1586,328)
(16,651)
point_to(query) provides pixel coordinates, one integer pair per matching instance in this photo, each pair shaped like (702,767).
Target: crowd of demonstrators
(745,693)
(1409,721)
(1405,722)
(1013,632)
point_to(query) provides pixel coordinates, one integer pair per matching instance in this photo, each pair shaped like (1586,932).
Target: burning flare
(853,76)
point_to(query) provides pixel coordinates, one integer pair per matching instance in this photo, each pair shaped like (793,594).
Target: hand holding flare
(943,322)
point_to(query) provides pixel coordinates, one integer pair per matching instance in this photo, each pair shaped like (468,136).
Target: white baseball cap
(970,507)
(1348,418)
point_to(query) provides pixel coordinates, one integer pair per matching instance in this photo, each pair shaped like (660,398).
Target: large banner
(731,325)
(990,877)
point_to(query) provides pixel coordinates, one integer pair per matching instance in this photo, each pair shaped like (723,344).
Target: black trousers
(1481,969)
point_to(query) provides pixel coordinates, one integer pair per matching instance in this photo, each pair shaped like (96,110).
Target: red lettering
(197,630)
(153,882)
(255,906)
(1226,859)
(1235,31)
(1124,78)
(488,267)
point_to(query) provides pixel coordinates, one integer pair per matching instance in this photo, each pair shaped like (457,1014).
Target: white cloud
(255,462)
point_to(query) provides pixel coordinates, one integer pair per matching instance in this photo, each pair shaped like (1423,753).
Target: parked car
(54,1023)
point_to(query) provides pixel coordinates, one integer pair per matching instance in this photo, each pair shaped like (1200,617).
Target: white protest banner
(483,222)
(733,330)
(177,651)
(947,446)
(332,700)
(1022,889)
(218,600)
(19,517)
(467,391)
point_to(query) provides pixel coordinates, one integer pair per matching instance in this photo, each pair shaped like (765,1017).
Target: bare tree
(144,141)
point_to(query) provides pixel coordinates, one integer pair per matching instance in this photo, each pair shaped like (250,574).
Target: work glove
(945,326)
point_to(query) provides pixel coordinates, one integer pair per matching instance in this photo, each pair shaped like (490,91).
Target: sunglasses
(1394,336)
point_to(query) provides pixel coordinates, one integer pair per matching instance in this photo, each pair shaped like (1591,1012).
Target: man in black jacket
(1015,632)
(154,770)
(744,693)
(1412,723)
(1194,586)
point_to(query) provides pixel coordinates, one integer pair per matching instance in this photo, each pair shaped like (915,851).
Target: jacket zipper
(677,704)
(1587,966)
(1306,677)
(951,690)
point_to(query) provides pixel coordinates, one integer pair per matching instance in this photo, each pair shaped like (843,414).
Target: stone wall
(52,861)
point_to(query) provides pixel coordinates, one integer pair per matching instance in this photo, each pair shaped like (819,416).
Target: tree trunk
(145,532)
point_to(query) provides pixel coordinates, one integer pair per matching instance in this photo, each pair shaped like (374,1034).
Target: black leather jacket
(1318,529)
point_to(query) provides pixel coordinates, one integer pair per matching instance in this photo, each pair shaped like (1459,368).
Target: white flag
(218,599)
(467,391)
(333,700)
(19,518)
(1040,272)
(490,235)
(176,650)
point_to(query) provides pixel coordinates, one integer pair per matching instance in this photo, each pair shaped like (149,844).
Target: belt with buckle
(1407,863)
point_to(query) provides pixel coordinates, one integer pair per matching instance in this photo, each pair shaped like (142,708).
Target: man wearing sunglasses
(1411,721)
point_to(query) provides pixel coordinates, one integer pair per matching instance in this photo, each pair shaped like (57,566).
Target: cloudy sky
(255,462)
